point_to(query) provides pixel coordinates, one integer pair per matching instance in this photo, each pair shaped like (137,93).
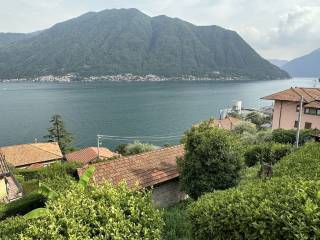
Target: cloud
(296,33)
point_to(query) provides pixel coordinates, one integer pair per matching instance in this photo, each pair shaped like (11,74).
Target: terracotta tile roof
(314,104)
(89,154)
(27,154)
(227,123)
(294,95)
(147,169)
(4,169)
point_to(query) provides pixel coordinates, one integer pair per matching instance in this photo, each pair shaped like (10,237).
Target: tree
(212,160)
(134,148)
(58,133)
(258,119)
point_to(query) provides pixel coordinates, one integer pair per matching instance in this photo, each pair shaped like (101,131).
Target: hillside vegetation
(128,41)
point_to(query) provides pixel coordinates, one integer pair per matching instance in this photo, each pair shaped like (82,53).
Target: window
(296,123)
(307,125)
(312,111)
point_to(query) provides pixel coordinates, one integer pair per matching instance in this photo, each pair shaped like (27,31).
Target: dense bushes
(304,163)
(212,160)
(283,208)
(57,176)
(134,148)
(11,228)
(98,213)
(22,206)
(289,136)
(266,153)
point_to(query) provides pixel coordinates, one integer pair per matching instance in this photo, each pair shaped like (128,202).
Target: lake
(123,108)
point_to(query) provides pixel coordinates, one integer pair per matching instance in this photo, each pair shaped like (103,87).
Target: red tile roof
(90,154)
(294,95)
(227,123)
(147,169)
(27,154)
(314,104)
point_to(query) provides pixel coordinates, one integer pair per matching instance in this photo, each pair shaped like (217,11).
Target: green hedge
(11,228)
(304,163)
(266,153)
(22,205)
(289,136)
(105,212)
(283,208)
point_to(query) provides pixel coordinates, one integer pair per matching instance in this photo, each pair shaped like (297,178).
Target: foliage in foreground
(283,208)
(286,207)
(212,160)
(269,153)
(177,225)
(289,136)
(106,212)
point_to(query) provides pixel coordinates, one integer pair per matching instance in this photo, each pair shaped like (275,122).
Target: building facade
(287,108)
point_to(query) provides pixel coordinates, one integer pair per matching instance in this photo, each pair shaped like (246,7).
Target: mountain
(128,41)
(278,62)
(7,38)
(305,66)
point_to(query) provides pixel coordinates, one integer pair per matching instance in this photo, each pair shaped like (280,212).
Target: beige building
(287,104)
(32,155)
(10,189)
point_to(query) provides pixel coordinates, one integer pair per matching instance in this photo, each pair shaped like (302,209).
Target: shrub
(258,119)
(305,162)
(266,153)
(11,228)
(57,176)
(245,127)
(212,160)
(22,205)
(105,212)
(177,225)
(134,148)
(281,208)
(289,136)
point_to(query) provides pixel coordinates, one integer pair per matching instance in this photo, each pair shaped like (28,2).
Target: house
(90,154)
(157,169)
(227,123)
(32,155)
(10,189)
(287,104)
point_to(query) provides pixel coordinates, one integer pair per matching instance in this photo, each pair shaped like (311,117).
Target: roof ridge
(303,89)
(138,155)
(44,150)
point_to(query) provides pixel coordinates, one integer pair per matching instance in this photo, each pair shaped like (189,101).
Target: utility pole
(299,122)
(98,145)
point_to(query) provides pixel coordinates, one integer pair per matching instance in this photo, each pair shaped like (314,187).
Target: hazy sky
(281,29)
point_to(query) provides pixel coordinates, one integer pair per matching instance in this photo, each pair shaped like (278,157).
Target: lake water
(123,109)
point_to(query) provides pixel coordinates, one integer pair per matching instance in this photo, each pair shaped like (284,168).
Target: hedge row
(266,153)
(285,207)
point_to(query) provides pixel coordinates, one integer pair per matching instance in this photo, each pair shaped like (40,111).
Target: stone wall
(167,193)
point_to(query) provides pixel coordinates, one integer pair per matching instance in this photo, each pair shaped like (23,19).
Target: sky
(276,29)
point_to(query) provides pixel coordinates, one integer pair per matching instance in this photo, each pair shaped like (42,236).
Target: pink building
(286,108)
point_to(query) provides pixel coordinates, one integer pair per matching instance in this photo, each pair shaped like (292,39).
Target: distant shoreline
(71,78)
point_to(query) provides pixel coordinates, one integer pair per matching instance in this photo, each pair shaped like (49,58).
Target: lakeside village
(39,180)
(128,77)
